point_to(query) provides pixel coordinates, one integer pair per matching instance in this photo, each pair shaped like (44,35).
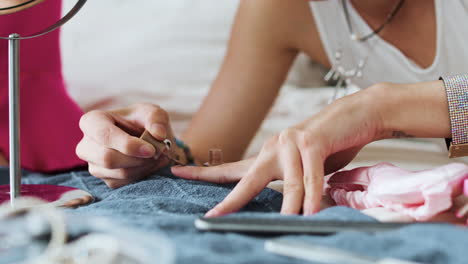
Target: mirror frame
(79,4)
(19,7)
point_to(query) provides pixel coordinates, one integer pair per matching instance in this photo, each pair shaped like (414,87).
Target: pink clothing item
(466,187)
(49,117)
(420,195)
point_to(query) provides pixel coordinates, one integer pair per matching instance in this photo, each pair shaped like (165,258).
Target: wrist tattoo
(401,134)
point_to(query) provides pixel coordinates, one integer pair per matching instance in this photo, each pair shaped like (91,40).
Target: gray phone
(261,225)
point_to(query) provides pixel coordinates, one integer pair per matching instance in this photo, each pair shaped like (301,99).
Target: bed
(169,206)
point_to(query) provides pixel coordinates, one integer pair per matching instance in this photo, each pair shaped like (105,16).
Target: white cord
(94,248)
(40,208)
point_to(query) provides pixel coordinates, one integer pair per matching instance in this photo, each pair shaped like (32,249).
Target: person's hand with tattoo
(328,141)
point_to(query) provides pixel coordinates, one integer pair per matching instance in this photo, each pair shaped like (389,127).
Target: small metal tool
(177,154)
(167,148)
(216,157)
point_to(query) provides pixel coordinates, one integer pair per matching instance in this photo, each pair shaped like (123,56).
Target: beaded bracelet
(181,144)
(456,87)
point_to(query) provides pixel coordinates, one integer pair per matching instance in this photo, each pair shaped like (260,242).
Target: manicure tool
(167,148)
(179,155)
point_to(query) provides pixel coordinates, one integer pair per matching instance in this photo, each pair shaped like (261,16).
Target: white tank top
(386,63)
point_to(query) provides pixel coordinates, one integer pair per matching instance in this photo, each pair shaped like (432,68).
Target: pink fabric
(420,195)
(49,118)
(466,187)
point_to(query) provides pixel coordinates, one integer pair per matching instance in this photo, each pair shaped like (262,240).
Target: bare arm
(419,110)
(326,142)
(263,45)
(266,38)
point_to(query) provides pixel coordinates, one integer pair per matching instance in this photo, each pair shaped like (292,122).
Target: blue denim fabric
(163,203)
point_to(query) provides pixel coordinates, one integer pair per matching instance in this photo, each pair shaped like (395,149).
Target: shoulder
(282,19)
(288,23)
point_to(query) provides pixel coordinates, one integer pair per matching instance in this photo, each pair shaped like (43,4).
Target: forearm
(228,120)
(236,106)
(259,56)
(412,110)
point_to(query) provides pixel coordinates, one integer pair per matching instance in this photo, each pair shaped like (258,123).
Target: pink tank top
(49,117)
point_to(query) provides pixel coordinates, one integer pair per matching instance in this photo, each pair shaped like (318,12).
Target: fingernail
(307,210)
(174,168)
(310,211)
(146,151)
(211,213)
(159,130)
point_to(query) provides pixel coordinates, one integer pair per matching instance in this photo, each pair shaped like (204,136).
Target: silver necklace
(375,32)
(338,72)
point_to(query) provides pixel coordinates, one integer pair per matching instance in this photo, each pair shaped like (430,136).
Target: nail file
(167,148)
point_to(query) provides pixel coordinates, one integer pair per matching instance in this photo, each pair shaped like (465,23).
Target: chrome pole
(14,112)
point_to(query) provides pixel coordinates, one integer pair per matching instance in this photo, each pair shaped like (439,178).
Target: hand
(327,142)
(300,156)
(113,149)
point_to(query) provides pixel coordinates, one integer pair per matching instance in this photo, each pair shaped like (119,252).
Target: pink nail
(211,213)
(146,151)
(176,168)
(308,210)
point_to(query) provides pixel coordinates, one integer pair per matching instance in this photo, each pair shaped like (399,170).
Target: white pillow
(146,45)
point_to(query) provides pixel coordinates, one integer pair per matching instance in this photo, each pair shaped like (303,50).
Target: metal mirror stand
(14,97)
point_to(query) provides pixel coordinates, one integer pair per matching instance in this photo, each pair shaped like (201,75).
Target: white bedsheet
(293,106)
(168,53)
